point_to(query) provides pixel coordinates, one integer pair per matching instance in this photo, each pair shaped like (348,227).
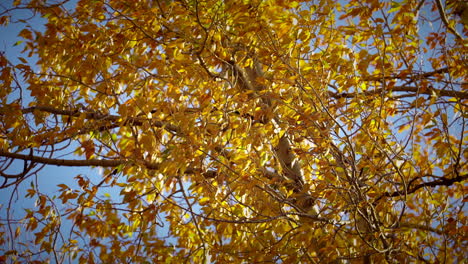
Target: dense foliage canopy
(228,131)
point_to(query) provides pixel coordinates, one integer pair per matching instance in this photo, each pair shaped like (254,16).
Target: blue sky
(45,180)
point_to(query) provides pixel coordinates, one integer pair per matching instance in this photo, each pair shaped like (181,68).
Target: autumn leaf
(89,148)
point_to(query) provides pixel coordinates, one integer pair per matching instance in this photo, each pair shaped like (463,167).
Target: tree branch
(63,162)
(411,77)
(445,20)
(101,117)
(95,163)
(420,227)
(429,91)
(442,182)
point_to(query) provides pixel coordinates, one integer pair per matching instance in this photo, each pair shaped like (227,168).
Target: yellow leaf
(204,201)
(26,33)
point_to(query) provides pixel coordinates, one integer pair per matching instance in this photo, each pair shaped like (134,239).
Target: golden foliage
(257,131)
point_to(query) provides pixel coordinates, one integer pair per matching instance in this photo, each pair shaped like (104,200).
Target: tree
(264,131)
